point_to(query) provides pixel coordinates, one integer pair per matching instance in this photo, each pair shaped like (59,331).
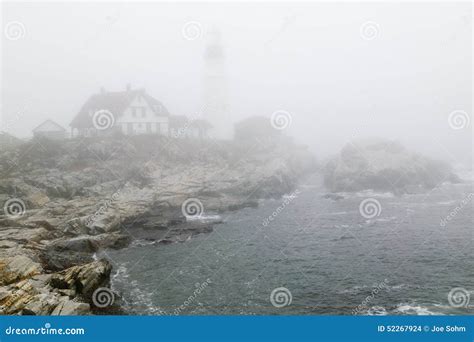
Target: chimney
(102,90)
(129,87)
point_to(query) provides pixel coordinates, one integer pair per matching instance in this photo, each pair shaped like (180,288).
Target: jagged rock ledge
(70,200)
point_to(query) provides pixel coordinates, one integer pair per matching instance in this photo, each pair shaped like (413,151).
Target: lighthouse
(215,98)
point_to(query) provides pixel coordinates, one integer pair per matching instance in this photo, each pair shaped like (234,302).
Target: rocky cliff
(64,202)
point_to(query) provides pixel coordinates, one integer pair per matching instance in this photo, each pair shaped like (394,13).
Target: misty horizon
(308,59)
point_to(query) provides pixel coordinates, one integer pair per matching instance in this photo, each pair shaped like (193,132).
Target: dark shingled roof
(116,103)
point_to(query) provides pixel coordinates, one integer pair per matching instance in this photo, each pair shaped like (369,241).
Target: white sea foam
(386,219)
(205,218)
(142,243)
(397,287)
(415,309)
(336,213)
(367,193)
(376,311)
(139,298)
(121,274)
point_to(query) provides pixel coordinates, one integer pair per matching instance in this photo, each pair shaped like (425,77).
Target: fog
(400,78)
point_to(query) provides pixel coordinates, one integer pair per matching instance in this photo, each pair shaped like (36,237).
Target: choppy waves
(322,249)
(136,300)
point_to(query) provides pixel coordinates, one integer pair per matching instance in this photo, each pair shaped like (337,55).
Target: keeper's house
(130,112)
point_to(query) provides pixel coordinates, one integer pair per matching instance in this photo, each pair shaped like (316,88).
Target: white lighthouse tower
(215,106)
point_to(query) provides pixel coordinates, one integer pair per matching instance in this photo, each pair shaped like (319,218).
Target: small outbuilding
(51,130)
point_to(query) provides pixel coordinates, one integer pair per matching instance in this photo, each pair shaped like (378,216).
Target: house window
(134,112)
(143,112)
(158,110)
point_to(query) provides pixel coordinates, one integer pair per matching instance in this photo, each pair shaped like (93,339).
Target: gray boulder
(383,165)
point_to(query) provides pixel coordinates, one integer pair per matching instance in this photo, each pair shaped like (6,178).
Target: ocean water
(315,256)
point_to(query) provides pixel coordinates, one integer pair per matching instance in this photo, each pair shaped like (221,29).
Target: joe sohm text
(421,328)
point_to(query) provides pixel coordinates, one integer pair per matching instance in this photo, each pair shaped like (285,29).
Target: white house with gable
(141,117)
(130,112)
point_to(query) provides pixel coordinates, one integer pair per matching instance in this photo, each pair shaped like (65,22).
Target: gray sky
(313,60)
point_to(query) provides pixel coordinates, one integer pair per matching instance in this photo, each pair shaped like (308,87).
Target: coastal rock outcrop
(387,166)
(17,268)
(75,198)
(68,292)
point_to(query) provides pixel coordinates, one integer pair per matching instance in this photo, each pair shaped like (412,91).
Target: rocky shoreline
(63,203)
